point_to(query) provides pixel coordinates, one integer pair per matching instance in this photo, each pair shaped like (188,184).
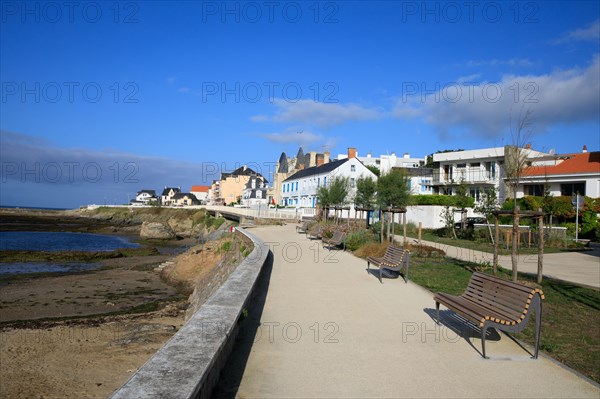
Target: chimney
(244,168)
(351,152)
(320,159)
(326,157)
(406,155)
(584,149)
(528,146)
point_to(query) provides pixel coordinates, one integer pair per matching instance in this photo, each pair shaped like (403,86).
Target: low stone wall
(207,286)
(189,364)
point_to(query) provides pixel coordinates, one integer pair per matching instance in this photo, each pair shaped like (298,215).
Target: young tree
(335,193)
(462,201)
(515,161)
(488,204)
(365,192)
(392,192)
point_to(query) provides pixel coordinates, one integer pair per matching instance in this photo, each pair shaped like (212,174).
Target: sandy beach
(84,334)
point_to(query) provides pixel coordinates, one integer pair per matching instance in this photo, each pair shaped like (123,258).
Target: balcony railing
(469,176)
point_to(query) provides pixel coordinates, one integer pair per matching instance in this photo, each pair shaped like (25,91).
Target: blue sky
(102,99)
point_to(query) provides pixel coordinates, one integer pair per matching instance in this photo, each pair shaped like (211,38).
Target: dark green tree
(374,169)
(335,193)
(392,192)
(366,188)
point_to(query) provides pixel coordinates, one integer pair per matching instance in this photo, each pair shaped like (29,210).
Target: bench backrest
(338,235)
(394,255)
(506,298)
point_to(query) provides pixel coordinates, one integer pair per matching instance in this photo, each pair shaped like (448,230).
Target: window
(353,181)
(352,168)
(534,189)
(296,187)
(490,169)
(569,189)
(324,181)
(475,193)
(259,194)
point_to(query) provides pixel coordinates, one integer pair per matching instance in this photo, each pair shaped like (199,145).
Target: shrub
(442,200)
(218,222)
(226,246)
(359,238)
(372,249)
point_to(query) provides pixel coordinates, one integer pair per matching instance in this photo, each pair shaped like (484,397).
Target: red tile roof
(587,162)
(200,189)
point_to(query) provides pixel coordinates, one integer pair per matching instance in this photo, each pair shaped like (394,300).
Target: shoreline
(107,322)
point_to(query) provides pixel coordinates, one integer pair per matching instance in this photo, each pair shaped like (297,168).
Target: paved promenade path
(578,267)
(329,329)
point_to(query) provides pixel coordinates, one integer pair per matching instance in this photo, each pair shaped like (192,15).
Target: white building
(300,189)
(385,163)
(167,195)
(564,175)
(255,193)
(479,169)
(420,180)
(201,193)
(144,197)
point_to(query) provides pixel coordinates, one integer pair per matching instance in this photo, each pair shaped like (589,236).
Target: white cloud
(71,177)
(324,115)
(259,118)
(560,97)
(513,62)
(299,137)
(590,32)
(183,89)
(170,80)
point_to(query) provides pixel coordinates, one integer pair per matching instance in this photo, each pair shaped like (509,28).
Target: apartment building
(479,169)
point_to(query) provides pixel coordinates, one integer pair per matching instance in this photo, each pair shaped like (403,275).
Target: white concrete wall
(592,184)
(431,215)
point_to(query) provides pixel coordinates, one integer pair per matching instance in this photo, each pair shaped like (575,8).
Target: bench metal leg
(437,311)
(483,334)
(536,305)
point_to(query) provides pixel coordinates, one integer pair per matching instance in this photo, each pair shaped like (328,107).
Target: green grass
(480,246)
(570,320)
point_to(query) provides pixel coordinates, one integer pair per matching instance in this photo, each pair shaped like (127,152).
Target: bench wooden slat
(515,286)
(497,297)
(484,312)
(506,312)
(501,294)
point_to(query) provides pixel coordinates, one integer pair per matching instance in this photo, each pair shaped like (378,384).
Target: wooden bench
(394,259)
(315,232)
(339,238)
(303,228)
(492,302)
